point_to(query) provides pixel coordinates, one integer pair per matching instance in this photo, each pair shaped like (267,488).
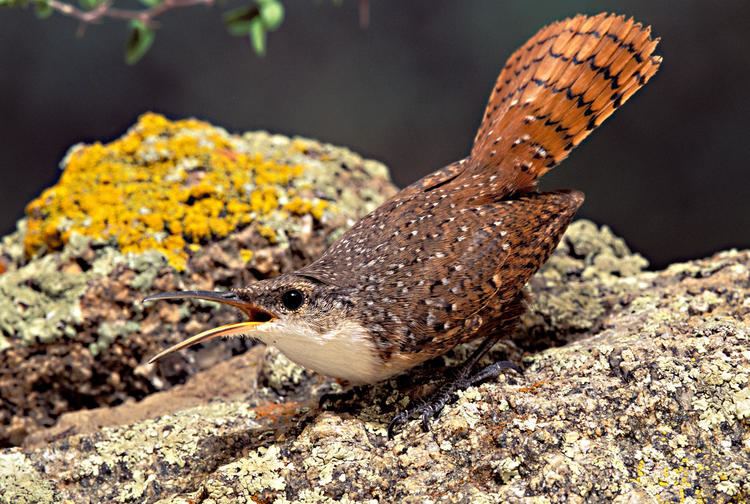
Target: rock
(168,206)
(643,396)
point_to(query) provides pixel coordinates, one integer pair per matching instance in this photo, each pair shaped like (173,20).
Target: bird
(445,260)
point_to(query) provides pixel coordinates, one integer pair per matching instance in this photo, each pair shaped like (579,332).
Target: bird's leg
(431,408)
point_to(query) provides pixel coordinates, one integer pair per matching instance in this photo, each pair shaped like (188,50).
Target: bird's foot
(429,409)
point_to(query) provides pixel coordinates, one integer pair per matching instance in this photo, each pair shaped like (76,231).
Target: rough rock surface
(642,395)
(170,205)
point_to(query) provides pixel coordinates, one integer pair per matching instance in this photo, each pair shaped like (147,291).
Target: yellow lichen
(268,233)
(165,186)
(246,255)
(299,206)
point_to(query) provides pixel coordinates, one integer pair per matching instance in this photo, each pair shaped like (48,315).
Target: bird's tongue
(230,298)
(225,330)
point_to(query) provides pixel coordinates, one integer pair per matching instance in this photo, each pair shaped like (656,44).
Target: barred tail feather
(555,90)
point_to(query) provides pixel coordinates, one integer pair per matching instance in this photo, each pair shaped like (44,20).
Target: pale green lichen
(258,472)
(507,468)
(21,483)
(43,296)
(136,488)
(741,401)
(11,246)
(175,443)
(146,266)
(109,331)
(279,373)
(592,251)
(596,265)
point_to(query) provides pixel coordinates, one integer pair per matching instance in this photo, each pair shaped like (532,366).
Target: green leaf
(238,20)
(14,3)
(88,4)
(255,21)
(239,28)
(43,9)
(272,14)
(150,3)
(139,42)
(258,36)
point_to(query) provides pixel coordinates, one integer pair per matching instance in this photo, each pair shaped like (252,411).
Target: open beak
(257,317)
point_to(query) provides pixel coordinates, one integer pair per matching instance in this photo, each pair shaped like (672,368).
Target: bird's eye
(293,299)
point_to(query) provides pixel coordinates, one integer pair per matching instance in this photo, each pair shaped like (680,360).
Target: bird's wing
(471,265)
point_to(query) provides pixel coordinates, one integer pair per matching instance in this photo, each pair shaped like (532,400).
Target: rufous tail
(555,90)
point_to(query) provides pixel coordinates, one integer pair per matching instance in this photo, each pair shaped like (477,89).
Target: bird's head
(290,306)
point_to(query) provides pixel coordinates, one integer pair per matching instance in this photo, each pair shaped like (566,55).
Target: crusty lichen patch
(43,296)
(259,472)
(599,271)
(165,186)
(20,482)
(180,445)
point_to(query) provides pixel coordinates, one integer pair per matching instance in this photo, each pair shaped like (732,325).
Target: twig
(106,10)
(364,13)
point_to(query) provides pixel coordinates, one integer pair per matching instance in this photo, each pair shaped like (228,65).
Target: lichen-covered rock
(591,264)
(168,206)
(648,401)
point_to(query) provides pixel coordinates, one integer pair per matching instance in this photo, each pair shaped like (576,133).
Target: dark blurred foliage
(669,171)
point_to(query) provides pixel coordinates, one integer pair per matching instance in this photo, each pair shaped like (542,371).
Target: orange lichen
(533,388)
(165,186)
(278,411)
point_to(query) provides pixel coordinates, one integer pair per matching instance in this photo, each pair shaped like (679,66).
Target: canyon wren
(445,260)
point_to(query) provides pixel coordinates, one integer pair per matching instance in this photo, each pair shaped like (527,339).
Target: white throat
(345,352)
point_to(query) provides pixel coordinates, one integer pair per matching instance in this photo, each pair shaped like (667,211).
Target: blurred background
(669,171)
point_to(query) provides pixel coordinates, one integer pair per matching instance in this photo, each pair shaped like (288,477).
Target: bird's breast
(346,351)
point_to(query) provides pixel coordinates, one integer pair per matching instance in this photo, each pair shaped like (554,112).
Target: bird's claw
(400,418)
(430,409)
(426,411)
(427,415)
